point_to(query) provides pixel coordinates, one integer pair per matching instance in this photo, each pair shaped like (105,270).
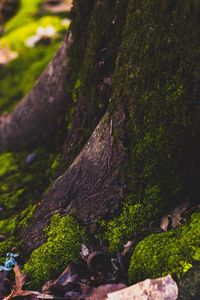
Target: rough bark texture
(90,189)
(42,111)
(92,62)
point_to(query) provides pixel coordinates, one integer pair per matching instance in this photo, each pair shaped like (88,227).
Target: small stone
(30,158)
(84,251)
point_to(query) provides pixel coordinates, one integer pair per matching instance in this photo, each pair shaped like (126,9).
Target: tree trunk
(134,137)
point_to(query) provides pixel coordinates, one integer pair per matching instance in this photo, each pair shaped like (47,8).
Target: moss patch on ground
(64,237)
(171,252)
(8,230)
(18,77)
(27,11)
(22,183)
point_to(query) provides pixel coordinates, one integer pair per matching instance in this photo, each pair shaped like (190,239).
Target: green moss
(8,229)
(27,12)
(64,237)
(25,216)
(92,60)
(18,77)
(155,76)
(189,285)
(22,183)
(132,220)
(172,252)
(16,38)
(8,226)
(6,246)
(7,164)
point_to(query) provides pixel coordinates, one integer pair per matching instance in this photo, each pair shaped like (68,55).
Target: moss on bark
(157,78)
(172,252)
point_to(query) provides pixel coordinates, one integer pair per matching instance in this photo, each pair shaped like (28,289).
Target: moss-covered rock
(171,252)
(64,237)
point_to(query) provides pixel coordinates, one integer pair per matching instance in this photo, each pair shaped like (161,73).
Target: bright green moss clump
(64,237)
(132,219)
(172,252)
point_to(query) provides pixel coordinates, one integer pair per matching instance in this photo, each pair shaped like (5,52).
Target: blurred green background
(30,33)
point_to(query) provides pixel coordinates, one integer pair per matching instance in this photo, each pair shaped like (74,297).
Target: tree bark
(135,132)
(90,189)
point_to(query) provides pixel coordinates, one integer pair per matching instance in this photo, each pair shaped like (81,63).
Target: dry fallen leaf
(175,216)
(127,247)
(20,280)
(164,223)
(177,213)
